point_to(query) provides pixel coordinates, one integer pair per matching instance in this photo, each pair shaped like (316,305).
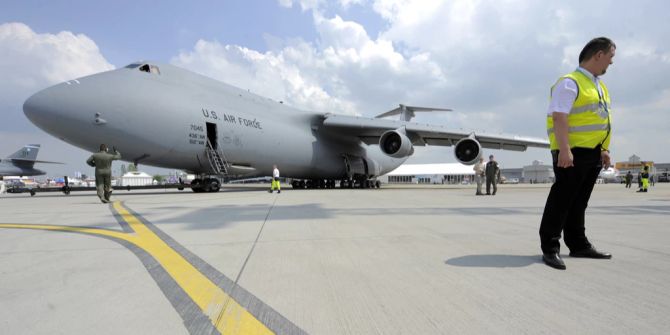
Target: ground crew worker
(629,179)
(578,125)
(492,175)
(275,180)
(479,175)
(645,179)
(3,188)
(102,161)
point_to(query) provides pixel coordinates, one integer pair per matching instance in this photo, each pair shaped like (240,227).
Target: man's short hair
(595,45)
(490,156)
(103,147)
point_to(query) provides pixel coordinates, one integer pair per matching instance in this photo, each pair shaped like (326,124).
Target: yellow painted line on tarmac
(226,314)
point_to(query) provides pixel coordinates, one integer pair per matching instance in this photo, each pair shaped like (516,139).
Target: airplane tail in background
(26,157)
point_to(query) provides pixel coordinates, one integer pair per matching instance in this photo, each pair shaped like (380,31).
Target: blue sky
(493,62)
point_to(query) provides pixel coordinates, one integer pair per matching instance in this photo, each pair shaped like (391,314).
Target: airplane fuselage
(165,119)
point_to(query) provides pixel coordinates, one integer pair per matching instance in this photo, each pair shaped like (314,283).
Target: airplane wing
(370,130)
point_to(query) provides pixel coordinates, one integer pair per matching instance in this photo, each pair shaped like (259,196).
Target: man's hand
(114,148)
(605,158)
(565,159)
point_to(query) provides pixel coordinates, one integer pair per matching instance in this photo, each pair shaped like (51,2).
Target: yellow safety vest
(589,119)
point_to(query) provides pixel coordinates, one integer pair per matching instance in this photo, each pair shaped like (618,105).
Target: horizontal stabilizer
(407,112)
(18,160)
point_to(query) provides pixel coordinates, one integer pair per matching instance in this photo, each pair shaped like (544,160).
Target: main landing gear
(330,183)
(205,185)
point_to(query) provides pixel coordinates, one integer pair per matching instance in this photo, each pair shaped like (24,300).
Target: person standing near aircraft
(275,180)
(492,172)
(3,188)
(479,175)
(102,161)
(629,179)
(578,124)
(645,179)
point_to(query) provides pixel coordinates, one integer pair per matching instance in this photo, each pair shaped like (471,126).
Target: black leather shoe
(554,260)
(590,253)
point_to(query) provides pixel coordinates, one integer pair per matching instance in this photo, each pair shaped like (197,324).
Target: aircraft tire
(196,185)
(302,184)
(32,193)
(378,184)
(214,185)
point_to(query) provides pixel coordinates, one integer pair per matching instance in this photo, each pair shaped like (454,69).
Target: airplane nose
(51,109)
(36,108)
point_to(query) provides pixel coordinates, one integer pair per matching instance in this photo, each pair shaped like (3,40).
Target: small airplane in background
(21,162)
(610,175)
(165,116)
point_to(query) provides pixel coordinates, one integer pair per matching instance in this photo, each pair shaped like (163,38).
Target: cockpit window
(133,65)
(150,69)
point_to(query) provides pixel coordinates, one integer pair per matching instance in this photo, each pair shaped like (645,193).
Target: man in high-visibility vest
(644,177)
(578,125)
(275,180)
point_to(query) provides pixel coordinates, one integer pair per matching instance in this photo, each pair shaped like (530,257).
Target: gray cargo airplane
(21,162)
(162,115)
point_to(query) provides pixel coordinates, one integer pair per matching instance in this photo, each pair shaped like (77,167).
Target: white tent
(450,173)
(136,178)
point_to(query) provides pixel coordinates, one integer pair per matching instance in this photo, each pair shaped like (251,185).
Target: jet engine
(396,144)
(468,150)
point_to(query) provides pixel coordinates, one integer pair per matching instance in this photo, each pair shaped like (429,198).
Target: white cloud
(304,4)
(32,61)
(38,59)
(345,71)
(29,62)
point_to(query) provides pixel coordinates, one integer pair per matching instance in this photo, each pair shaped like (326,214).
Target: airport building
(456,173)
(447,173)
(538,173)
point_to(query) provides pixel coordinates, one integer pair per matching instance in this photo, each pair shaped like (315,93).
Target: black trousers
(491,180)
(567,201)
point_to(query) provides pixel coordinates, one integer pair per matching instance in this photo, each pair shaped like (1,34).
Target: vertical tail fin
(27,153)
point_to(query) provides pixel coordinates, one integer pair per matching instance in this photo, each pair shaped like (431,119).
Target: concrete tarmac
(399,260)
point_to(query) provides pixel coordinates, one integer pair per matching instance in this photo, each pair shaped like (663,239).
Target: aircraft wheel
(214,185)
(343,183)
(207,185)
(32,193)
(378,184)
(302,184)
(322,184)
(196,185)
(295,184)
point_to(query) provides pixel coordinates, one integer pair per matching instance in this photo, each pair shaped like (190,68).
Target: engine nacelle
(468,151)
(396,144)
